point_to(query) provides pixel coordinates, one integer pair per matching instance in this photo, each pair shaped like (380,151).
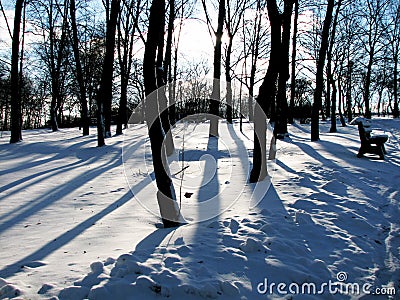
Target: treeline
(323,58)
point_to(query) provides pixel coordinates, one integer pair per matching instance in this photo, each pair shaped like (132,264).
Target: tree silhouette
(16,114)
(166,197)
(104,96)
(317,105)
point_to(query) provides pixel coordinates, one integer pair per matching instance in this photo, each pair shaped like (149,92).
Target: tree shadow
(18,214)
(96,162)
(344,200)
(287,258)
(63,239)
(214,258)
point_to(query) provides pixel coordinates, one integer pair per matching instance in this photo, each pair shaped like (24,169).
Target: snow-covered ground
(70,227)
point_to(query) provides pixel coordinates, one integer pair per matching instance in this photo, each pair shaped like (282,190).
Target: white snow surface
(77,221)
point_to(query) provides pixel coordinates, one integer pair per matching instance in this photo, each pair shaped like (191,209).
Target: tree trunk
(396,113)
(6,112)
(54,75)
(255,49)
(162,98)
(333,105)
(163,107)
(216,93)
(169,209)
(123,102)
(79,72)
(328,85)
(341,117)
(380,92)
(105,91)
(228,82)
(168,64)
(317,105)
(368,86)
(266,97)
(172,95)
(168,47)
(251,94)
(259,170)
(60,75)
(294,53)
(330,79)
(125,44)
(16,113)
(21,59)
(348,97)
(280,128)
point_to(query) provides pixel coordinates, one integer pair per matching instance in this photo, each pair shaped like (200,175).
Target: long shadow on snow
(27,150)
(294,249)
(286,258)
(150,252)
(65,238)
(86,158)
(353,218)
(33,146)
(41,202)
(51,172)
(213,258)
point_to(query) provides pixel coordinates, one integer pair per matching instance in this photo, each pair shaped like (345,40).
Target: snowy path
(66,204)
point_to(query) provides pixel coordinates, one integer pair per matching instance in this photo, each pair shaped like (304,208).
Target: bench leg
(378,150)
(384,149)
(362,151)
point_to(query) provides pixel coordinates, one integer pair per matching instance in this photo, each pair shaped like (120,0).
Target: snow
(77,221)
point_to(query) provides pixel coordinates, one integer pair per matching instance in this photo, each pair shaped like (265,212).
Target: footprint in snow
(214,224)
(251,246)
(184,251)
(179,241)
(234,226)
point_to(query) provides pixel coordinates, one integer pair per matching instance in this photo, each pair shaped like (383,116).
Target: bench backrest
(362,133)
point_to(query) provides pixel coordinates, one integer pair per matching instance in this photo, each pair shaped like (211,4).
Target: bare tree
(166,197)
(85,122)
(16,114)
(344,50)
(254,35)
(371,35)
(162,97)
(393,38)
(280,128)
(57,54)
(317,105)
(92,59)
(293,63)
(216,93)
(168,48)
(266,96)
(234,15)
(329,69)
(127,26)
(183,10)
(104,96)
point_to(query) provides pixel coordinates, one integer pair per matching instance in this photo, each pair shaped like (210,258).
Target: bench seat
(373,144)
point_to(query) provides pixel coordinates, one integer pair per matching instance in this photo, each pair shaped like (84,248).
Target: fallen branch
(180,171)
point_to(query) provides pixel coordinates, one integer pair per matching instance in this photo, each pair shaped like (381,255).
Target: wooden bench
(371,144)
